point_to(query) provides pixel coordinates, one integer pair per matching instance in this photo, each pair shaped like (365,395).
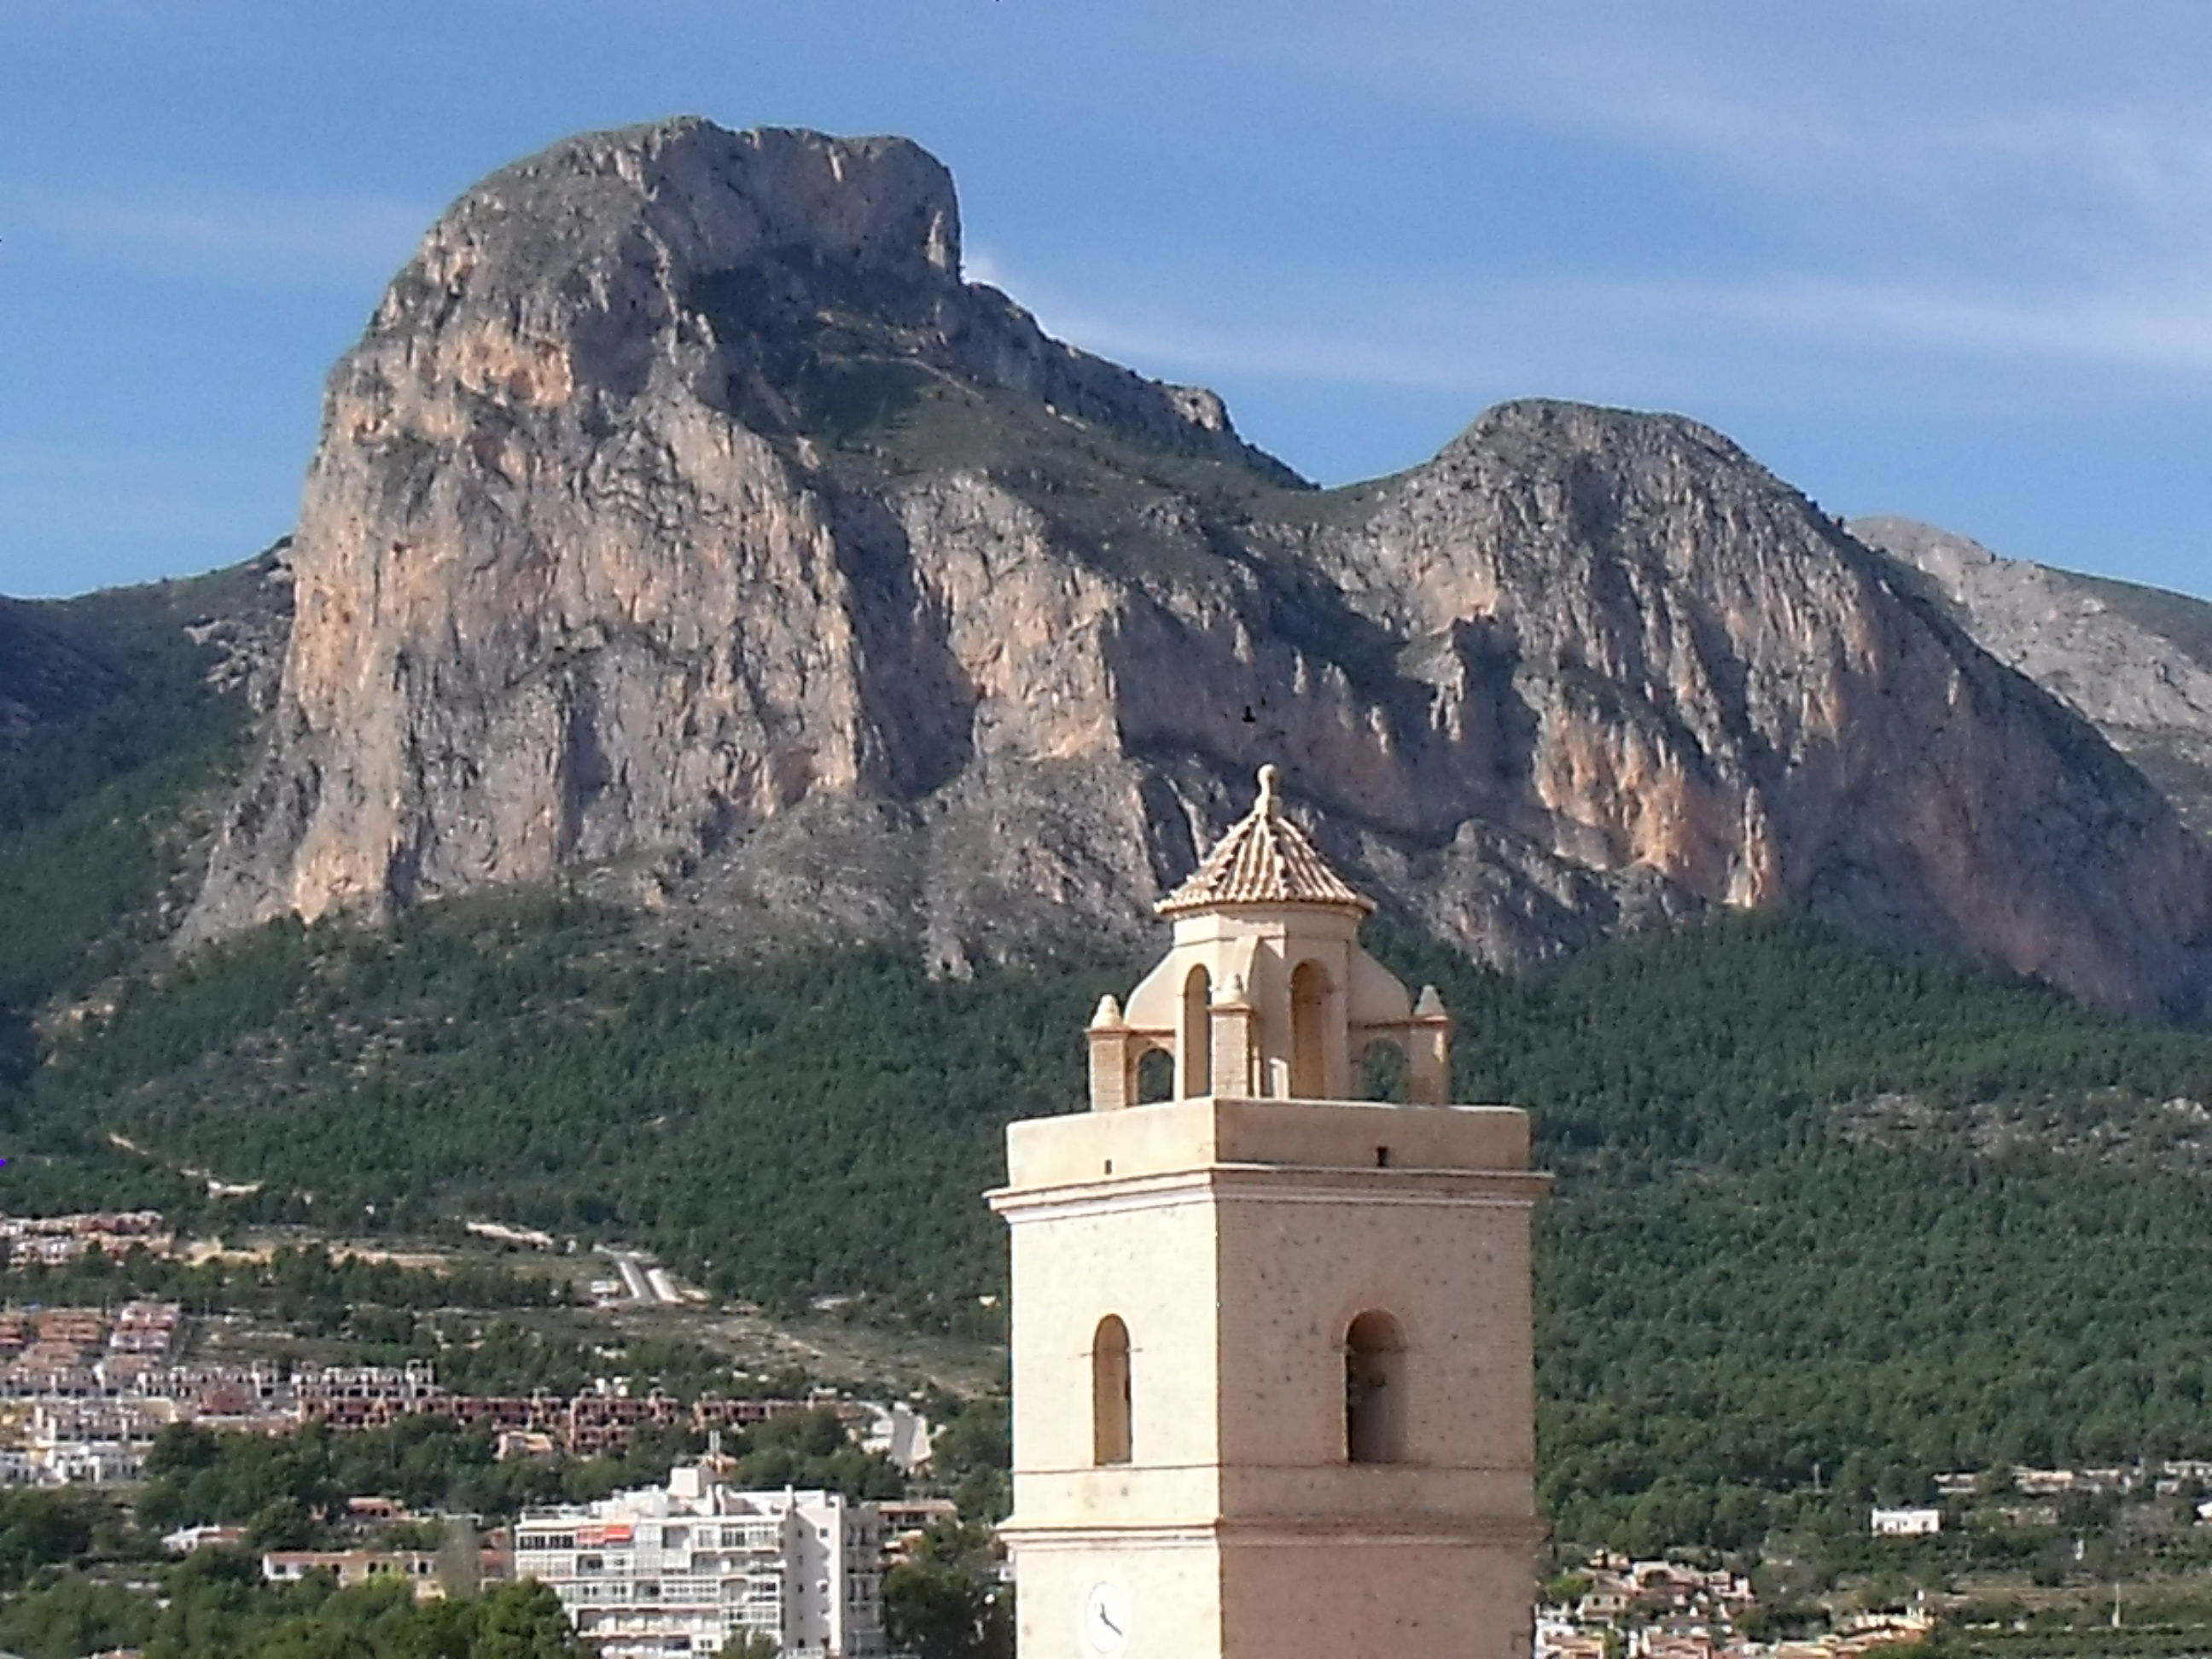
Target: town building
(901,1433)
(1906,1523)
(56,1239)
(424,1572)
(680,1568)
(184,1540)
(86,1463)
(73,1365)
(417,1568)
(916,1516)
(146,1328)
(1272,1355)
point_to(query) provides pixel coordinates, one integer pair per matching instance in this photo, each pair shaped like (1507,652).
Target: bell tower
(1272,1386)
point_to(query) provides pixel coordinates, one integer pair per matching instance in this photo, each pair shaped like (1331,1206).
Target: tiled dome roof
(1265,859)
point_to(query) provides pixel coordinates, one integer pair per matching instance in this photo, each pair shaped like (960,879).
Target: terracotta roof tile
(1265,859)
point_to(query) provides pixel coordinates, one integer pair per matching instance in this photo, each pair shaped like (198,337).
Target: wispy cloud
(1825,342)
(1856,201)
(1929,130)
(1885,92)
(264,240)
(2164,330)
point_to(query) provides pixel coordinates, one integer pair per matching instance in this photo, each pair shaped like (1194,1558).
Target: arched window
(1384,1073)
(1374,1390)
(1109,1392)
(1309,1048)
(1195,1043)
(1155,1077)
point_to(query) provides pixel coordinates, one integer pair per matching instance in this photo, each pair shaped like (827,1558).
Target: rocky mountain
(94,686)
(123,717)
(2135,662)
(685,527)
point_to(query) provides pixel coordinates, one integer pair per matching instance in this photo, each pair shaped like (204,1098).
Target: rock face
(684,525)
(2135,662)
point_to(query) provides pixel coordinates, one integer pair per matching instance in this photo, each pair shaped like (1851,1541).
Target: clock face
(1106,1617)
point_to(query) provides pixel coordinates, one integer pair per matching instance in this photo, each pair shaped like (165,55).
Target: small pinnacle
(1270,776)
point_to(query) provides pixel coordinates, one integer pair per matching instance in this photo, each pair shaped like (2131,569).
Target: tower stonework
(1272,1380)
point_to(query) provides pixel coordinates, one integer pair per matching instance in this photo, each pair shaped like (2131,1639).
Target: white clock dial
(1106,1617)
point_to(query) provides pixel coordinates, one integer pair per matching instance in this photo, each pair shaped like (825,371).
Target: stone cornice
(1274,1183)
(1474,1531)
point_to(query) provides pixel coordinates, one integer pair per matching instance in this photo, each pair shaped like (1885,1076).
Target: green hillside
(1820,1208)
(110,736)
(1816,1205)
(817,1125)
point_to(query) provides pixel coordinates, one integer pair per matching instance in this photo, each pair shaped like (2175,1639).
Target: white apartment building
(677,1569)
(1906,1523)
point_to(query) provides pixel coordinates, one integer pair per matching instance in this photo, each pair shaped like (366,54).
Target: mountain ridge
(2134,661)
(684,526)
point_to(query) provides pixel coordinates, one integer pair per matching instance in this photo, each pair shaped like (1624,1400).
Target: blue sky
(1949,260)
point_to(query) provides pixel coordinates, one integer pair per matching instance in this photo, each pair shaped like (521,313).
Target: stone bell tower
(1272,1392)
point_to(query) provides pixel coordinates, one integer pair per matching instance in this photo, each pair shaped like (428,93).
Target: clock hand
(1107,1619)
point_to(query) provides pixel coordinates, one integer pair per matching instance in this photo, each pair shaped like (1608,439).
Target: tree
(36,1527)
(283,1524)
(945,1601)
(750,1644)
(75,1615)
(970,1453)
(525,1620)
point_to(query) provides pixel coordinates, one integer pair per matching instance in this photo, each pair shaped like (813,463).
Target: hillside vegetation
(1817,1206)
(812,1126)
(1820,1208)
(111,730)
(1822,1212)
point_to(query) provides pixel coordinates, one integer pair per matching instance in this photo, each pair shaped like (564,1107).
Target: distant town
(86,1393)
(696,1560)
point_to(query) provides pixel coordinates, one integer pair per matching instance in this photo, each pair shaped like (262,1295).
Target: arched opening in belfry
(1156,1077)
(1308,1032)
(1385,1074)
(1374,1390)
(1109,1392)
(1195,1043)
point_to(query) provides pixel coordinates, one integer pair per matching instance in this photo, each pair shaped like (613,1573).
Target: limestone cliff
(684,526)
(2135,662)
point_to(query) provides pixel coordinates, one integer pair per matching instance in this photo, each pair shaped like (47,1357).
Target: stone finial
(1231,992)
(1428,1049)
(1271,778)
(1108,1015)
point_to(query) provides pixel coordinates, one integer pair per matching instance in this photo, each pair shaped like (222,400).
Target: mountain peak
(784,276)
(715,198)
(685,527)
